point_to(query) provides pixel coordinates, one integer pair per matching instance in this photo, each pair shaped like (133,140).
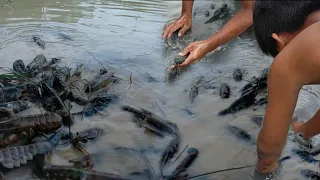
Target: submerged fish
(237,74)
(195,88)
(258,120)
(64,36)
(310,174)
(172,72)
(39,41)
(224,90)
(243,102)
(241,134)
(220,13)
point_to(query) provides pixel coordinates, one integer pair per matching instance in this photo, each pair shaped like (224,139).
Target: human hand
(196,51)
(183,23)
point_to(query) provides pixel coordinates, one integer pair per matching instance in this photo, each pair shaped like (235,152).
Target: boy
(289,31)
(236,25)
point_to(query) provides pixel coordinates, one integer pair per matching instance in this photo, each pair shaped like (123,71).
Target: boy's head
(277,22)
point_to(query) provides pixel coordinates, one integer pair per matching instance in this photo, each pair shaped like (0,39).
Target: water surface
(125,36)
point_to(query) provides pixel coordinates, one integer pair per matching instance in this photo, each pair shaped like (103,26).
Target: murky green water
(126,36)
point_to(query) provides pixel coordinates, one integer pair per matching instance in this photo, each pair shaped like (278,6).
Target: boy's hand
(183,23)
(197,51)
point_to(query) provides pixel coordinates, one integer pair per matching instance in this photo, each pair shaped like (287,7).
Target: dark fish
(67,172)
(224,90)
(257,120)
(261,101)
(19,66)
(311,174)
(195,88)
(237,74)
(220,13)
(66,37)
(212,6)
(207,13)
(284,158)
(172,73)
(243,102)
(152,122)
(149,78)
(139,151)
(185,163)
(188,111)
(305,156)
(170,151)
(144,174)
(38,40)
(241,134)
(256,84)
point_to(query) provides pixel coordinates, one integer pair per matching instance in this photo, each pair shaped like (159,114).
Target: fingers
(187,62)
(166,31)
(183,30)
(173,29)
(187,50)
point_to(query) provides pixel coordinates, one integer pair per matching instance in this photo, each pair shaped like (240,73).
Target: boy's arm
(283,92)
(234,27)
(296,65)
(187,6)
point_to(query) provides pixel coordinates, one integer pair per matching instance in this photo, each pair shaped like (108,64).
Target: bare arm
(187,6)
(296,65)
(282,97)
(235,26)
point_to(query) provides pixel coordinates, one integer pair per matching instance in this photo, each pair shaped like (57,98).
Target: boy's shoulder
(305,41)
(301,55)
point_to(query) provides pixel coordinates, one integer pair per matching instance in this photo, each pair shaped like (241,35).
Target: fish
(258,120)
(237,74)
(194,90)
(220,13)
(243,102)
(39,41)
(224,90)
(241,134)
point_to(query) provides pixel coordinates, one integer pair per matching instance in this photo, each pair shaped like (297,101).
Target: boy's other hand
(183,23)
(196,51)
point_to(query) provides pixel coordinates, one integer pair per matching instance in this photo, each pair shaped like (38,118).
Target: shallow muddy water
(125,36)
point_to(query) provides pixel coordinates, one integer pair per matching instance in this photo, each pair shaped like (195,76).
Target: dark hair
(271,16)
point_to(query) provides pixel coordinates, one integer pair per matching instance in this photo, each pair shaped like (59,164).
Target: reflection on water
(126,36)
